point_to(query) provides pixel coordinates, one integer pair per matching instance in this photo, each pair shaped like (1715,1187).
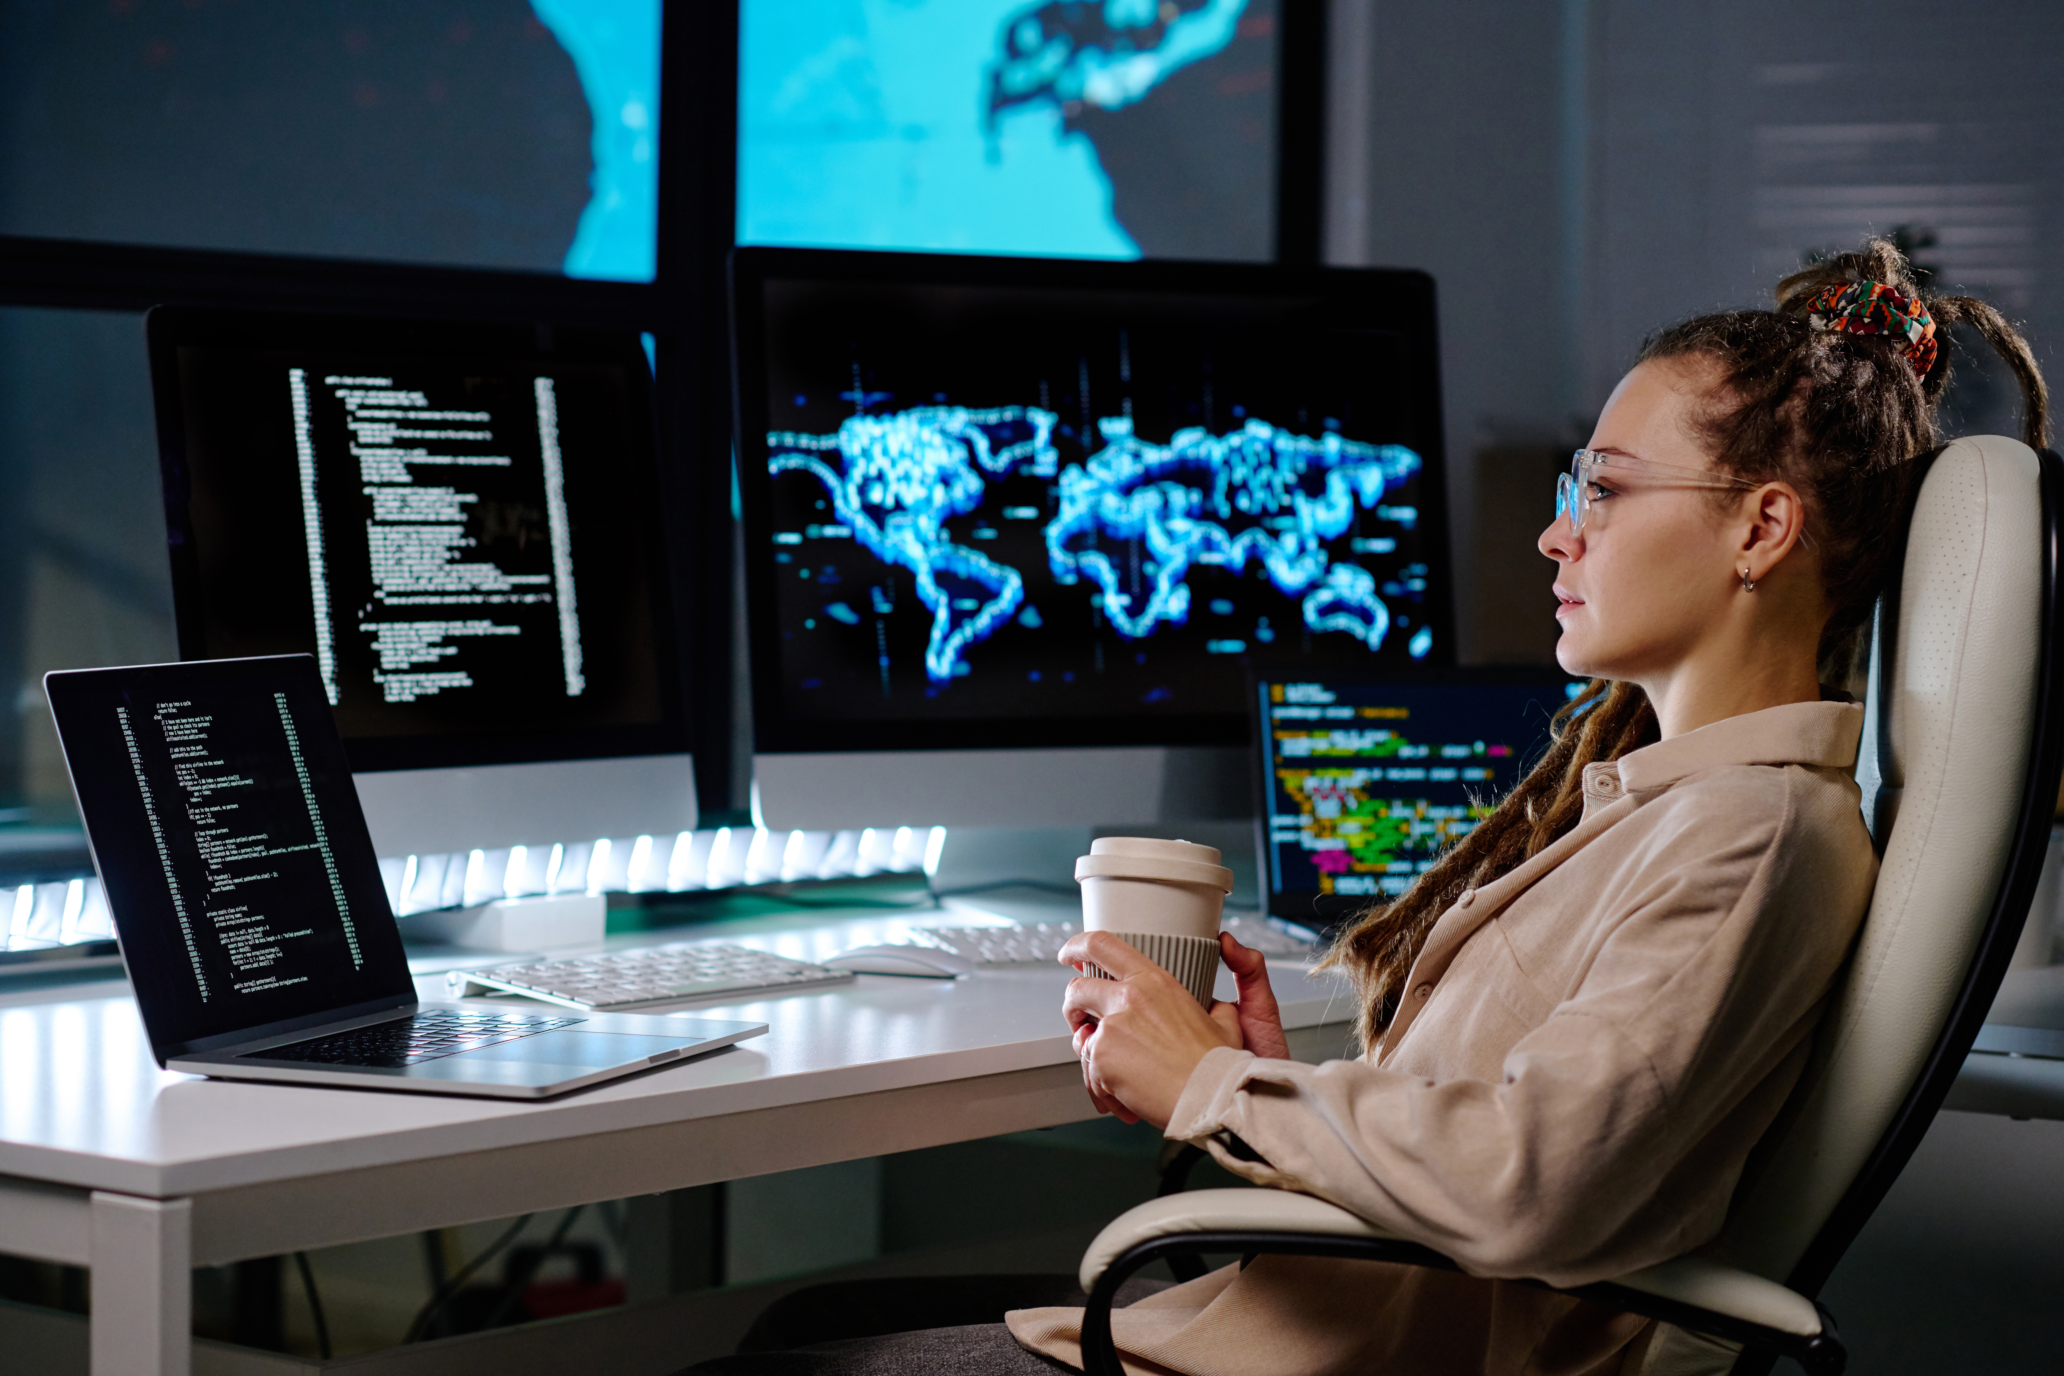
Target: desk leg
(142,1286)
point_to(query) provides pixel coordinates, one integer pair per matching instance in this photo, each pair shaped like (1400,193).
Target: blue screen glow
(614,45)
(1001,126)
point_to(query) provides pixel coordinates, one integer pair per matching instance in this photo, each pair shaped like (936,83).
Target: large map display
(1104,129)
(614,45)
(517,134)
(984,503)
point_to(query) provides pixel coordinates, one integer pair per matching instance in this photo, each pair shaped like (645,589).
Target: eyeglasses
(1573,489)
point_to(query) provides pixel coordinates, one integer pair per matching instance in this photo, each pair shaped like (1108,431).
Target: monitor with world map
(1009,502)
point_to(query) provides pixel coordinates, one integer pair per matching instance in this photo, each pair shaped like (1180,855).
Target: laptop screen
(1366,781)
(227,832)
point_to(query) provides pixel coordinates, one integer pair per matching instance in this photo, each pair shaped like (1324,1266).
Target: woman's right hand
(1254,1018)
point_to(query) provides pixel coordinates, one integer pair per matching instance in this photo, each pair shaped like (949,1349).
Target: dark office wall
(1462,174)
(451,131)
(1578,175)
(1729,141)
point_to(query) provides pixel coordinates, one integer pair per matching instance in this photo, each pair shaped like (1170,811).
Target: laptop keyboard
(653,975)
(429,1035)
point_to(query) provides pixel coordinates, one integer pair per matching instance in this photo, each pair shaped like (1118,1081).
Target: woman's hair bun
(1837,391)
(1839,290)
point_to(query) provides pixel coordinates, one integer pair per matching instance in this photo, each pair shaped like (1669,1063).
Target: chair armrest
(1690,1292)
(1219,1211)
(1718,1288)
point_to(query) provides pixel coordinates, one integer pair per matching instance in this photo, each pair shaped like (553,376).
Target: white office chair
(1960,764)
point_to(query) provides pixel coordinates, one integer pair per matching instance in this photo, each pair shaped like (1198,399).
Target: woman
(1578,1023)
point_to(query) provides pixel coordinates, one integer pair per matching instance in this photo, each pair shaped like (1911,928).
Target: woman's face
(1652,567)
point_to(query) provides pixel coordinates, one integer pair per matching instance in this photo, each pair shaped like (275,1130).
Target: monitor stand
(1116,786)
(439,811)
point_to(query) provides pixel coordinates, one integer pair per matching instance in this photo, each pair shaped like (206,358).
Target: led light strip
(690,861)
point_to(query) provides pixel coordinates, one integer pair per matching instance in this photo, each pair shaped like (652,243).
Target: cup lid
(1141,857)
(1152,848)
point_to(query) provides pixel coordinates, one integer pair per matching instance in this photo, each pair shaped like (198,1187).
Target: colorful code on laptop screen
(1369,782)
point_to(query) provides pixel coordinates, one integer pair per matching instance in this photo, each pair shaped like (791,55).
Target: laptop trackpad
(578,1050)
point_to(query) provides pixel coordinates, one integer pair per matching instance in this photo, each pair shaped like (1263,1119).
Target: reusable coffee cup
(1162,898)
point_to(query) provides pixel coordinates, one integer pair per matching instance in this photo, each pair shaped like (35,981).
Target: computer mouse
(927,962)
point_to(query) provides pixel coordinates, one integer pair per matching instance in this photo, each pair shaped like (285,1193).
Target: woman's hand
(1141,1035)
(1255,1017)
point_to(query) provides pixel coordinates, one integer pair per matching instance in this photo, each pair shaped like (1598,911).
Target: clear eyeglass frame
(1573,489)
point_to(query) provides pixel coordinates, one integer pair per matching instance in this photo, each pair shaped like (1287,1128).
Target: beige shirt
(1587,1049)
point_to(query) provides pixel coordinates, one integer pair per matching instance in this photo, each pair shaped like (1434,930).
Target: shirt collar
(1820,734)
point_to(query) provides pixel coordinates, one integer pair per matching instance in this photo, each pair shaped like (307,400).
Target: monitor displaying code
(1001,504)
(1368,783)
(225,827)
(466,544)
(460,583)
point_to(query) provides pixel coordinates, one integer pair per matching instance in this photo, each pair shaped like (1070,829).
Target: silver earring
(1748,584)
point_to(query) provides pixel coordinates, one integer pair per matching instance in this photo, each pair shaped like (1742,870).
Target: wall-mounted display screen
(500,135)
(1114,129)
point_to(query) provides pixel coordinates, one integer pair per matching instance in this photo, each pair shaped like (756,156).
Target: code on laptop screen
(1370,782)
(228,834)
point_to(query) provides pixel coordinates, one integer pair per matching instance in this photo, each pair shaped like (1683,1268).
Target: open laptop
(1363,778)
(249,908)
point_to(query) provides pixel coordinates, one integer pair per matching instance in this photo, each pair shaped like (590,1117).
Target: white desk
(139,1174)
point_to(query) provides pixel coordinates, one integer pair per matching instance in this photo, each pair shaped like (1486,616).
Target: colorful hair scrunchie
(1874,308)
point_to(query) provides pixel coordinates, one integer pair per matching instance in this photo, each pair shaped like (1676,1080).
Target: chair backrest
(1960,771)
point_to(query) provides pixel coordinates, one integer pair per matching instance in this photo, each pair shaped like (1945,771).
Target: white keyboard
(1040,943)
(623,980)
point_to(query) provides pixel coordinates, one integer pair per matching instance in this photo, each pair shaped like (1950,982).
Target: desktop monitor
(993,504)
(1364,779)
(460,522)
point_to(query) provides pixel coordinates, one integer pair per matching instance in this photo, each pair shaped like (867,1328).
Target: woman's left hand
(1139,1035)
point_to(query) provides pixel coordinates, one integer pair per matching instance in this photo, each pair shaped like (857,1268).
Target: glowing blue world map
(1259,495)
